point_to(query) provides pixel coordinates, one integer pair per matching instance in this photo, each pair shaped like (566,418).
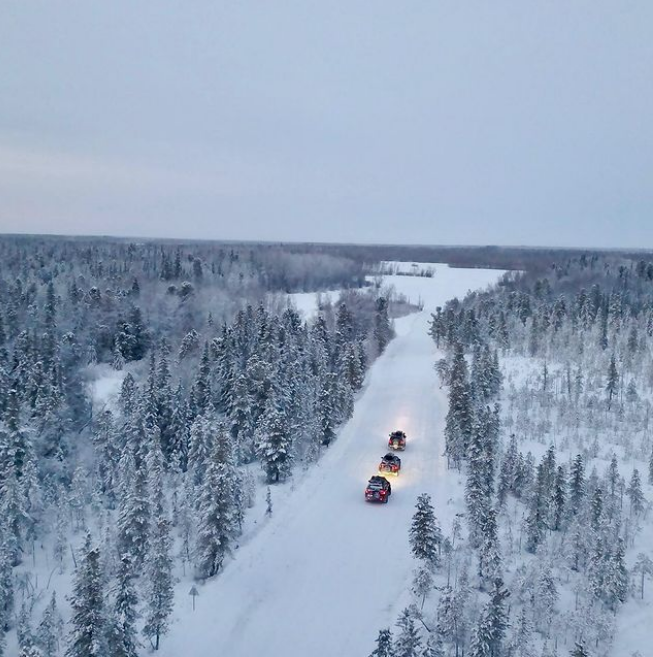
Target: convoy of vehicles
(378,487)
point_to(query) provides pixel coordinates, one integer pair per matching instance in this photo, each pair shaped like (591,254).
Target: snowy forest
(550,381)
(222,389)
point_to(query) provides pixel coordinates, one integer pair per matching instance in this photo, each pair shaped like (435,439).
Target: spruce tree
(559,499)
(577,485)
(202,434)
(217,523)
(635,494)
(50,629)
(489,558)
(134,509)
(644,568)
(6,582)
(159,591)
(273,446)
(612,384)
(458,424)
(122,631)
(615,578)
(87,635)
(480,476)
(383,645)
(521,642)
(408,642)
(508,471)
(489,634)
(200,395)
(434,647)
(422,582)
(536,522)
(383,332)
(425,534)
(24,633)
(128,396)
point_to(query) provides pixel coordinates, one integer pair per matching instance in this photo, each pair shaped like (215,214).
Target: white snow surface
(308,303)
(328,570)
(104,386)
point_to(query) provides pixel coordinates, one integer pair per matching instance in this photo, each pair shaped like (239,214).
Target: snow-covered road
(328,570)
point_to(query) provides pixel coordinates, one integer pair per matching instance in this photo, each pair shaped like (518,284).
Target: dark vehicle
(397,441)
(378,490)
(390,464)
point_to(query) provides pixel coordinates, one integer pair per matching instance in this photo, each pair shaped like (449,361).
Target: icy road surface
(329,570)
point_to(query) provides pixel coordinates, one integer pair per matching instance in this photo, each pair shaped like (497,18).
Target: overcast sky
(457,122)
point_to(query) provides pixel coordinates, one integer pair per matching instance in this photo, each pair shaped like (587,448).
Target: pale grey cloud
(503,122)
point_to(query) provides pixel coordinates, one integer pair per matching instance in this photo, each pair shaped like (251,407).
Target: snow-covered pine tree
(545,601)
(422,582)
(615,577)
(644,568)
(489,557)
(87,634)
(6,583)
(50,629)
(559,499)
(577,486)
(613,485)
(458,425)
(273,445)
(134,509)
(383,332)
(536,522)
(521,641)
(425,534)
(179,431)
(121,630)
(24,632)
(352,367)
(159,590)
(217,522)
(118,362)
(128,396)
(487,640)
(202,435)
(434,647)
(508,471)
(612,384)
(635,494)
(107,454)
(479,486)
(383,644)
(200,394)
(344,330)
(448,617)
(240,416)
(165,403)
(408,642)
